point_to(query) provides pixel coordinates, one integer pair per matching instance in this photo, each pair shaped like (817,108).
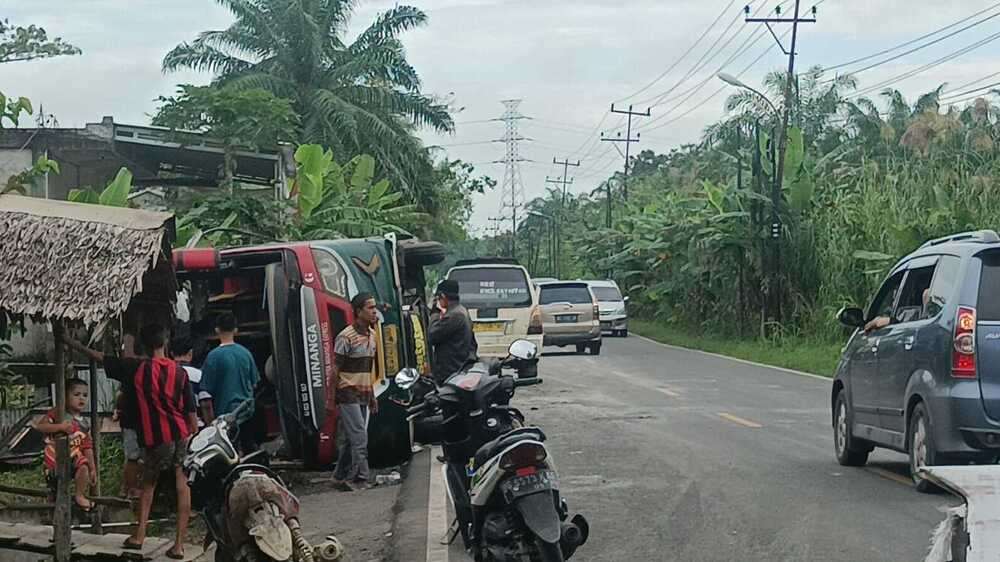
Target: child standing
(81,448)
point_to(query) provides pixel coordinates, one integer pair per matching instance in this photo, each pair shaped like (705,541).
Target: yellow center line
(669,392)
(889,475)
(739,420)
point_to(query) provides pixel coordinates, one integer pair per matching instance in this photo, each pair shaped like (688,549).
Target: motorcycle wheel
(548,552)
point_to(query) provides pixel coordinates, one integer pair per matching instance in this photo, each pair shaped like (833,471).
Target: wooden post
(95,437)
(61,516)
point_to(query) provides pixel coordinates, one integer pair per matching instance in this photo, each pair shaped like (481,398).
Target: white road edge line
(437,512)
(735,360)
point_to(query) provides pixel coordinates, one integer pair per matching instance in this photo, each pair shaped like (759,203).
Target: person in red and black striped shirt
(165,417)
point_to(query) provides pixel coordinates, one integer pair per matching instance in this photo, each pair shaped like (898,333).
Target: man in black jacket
(450,333)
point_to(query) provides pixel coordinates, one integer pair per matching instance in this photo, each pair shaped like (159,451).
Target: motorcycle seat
(493,448)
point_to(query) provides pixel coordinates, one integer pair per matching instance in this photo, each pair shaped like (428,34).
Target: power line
(660,99)
(472,143)
(909,74)
(976,81)
(912,41)
(658,123)
(915,49)
(683,56)
(967,92)
(715,93)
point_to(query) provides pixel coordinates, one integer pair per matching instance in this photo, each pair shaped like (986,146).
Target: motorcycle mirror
(406,378)
(522,349)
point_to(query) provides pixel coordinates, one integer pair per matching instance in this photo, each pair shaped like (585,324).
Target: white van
(614,316)
(502,301)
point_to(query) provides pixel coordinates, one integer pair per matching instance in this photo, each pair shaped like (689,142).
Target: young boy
(182,350)
(81,448)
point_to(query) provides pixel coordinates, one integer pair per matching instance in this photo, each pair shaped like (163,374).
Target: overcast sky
(567,59)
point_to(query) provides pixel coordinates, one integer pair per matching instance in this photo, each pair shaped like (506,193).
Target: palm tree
(362,97)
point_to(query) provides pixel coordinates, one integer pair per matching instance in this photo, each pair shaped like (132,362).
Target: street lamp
(553,227)
(736,82)
(774,289)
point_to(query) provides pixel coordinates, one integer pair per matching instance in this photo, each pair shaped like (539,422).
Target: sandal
(174,555)
(129,544)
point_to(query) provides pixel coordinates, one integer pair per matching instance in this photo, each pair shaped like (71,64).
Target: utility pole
(512,191)
(495,230)
(628,140)
(565,182)
(795,20)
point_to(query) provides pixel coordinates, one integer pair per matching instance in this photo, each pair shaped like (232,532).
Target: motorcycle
(501,480)
(250,514)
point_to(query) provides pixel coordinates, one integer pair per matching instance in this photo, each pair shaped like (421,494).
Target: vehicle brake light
(597,310)
(527,454)
(963,356)
(535,325)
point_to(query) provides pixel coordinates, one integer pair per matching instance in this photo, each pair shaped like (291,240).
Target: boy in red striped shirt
(165,418)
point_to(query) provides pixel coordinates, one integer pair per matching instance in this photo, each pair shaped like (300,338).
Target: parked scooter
(501,480)
(250,514)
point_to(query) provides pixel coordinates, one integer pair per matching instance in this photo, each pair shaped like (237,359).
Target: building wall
(12,162)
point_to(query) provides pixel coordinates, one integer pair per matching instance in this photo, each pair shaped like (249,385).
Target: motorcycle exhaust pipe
(573,534)
(329,550)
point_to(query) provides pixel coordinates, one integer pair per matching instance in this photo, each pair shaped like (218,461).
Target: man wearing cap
(450,333)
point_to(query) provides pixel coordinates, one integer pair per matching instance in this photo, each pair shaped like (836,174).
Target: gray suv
(921,373)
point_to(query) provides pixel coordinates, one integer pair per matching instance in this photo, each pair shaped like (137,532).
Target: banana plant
(798,186)
(114,195)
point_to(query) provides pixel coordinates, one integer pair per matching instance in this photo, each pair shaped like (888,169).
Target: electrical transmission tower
(512,190)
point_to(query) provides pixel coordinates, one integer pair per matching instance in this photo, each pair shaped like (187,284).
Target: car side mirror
(851,317)
(625,299)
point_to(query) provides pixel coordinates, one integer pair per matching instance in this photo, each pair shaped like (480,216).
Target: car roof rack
(980,236)
(487,260)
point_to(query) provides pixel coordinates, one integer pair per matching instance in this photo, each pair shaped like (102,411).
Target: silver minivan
(614,316)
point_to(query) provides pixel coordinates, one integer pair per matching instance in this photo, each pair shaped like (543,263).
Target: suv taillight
(597,311)
(963,355)
(535,324)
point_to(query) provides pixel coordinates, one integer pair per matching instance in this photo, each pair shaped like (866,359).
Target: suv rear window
(988,307)
(492,287)
(573,294)
(607,294)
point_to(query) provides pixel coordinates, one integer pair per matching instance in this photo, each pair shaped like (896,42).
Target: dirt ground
(362,520)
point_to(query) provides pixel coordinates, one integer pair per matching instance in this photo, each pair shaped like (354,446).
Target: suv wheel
(922,451)
(850,451)
(595,348)
(581,347)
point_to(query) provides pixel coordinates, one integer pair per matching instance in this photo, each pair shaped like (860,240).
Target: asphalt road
(678,455)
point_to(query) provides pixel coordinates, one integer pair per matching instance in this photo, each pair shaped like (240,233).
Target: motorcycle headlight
(202,439)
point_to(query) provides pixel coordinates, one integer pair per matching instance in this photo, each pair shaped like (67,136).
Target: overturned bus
(291,300)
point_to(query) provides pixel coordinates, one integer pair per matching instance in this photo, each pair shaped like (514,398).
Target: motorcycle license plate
(519,486)
(566,319)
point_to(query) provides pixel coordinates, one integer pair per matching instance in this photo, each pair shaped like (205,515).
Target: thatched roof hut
(80,262)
